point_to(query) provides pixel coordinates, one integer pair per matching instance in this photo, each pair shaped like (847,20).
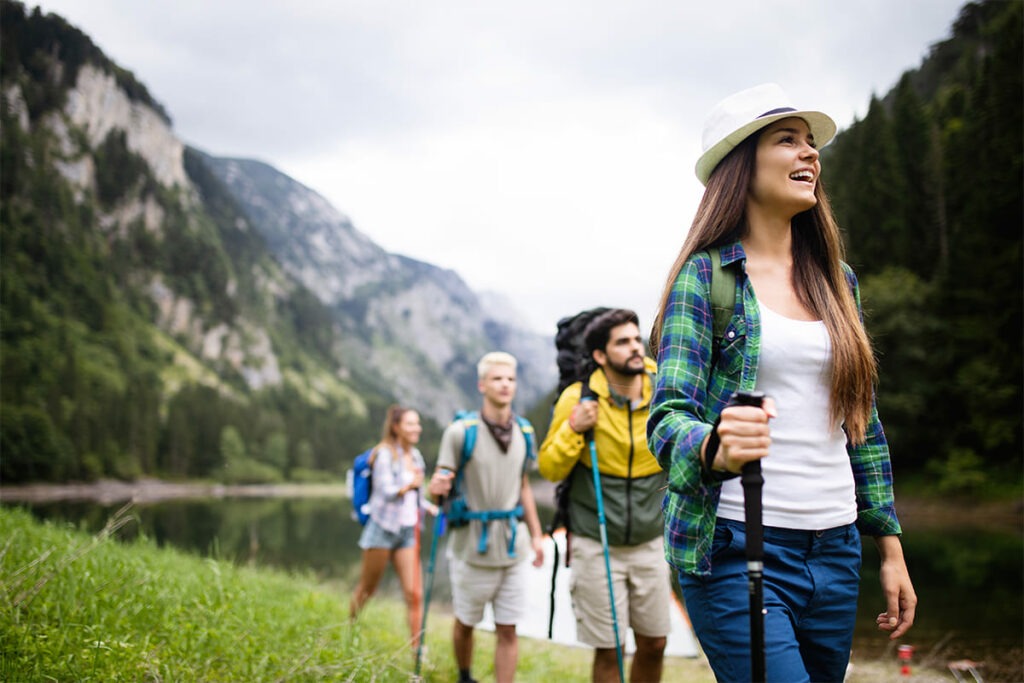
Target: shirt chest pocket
(731,347)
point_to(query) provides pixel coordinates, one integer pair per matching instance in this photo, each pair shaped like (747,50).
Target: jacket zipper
(629,478)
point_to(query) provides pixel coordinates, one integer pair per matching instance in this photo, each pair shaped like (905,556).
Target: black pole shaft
(753,483)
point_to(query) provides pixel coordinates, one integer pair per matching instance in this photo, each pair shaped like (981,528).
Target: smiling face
(786,170)
(408,429)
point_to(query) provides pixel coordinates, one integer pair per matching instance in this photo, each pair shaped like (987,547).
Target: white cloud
(544,150)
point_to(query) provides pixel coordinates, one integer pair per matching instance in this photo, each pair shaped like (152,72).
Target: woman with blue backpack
(390,532)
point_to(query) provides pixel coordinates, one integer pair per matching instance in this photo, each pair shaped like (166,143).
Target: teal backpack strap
(530,435)
(470,420)
(723,294)
(488,516)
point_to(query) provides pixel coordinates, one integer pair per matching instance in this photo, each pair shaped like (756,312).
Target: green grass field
(81,607)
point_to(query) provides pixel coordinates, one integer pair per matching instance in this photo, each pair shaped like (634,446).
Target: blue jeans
(810,598)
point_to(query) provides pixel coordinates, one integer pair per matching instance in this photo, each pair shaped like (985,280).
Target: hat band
(776,111)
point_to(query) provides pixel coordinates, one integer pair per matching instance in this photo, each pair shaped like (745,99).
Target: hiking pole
(551,597)
(753,483)
(439,528)
(558,520)
(603,525)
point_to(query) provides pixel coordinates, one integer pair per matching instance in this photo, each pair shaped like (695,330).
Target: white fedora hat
(733,119)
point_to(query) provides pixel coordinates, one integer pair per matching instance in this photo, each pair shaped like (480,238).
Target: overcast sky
(543,150)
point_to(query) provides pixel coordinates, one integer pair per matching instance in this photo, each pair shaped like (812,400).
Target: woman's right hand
(744,435)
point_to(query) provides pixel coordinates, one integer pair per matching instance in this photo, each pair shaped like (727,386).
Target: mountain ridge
(156,324)
(370,289)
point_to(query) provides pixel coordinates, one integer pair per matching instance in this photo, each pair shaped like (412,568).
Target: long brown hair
(818,279)
(389,433)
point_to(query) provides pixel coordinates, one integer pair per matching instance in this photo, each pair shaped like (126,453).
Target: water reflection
(969,582)
(969,586)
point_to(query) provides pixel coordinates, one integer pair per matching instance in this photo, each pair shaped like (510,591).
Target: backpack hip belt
(459,515)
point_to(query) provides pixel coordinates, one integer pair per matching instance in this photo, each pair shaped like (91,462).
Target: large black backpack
(574,365)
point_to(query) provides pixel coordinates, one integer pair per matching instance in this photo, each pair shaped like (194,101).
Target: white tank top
(808,481)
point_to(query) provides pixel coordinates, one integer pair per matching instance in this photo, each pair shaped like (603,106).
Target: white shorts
(642,586)
(473,587)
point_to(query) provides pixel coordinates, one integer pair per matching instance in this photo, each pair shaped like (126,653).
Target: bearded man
(611,408)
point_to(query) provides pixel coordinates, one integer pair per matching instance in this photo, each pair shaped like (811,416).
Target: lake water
(969,578)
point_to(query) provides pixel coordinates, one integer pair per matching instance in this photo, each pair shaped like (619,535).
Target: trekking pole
(604,543)
(551,597)
(439,529)
(753,483)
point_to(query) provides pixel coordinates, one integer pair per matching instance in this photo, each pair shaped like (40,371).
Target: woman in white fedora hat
(794,333)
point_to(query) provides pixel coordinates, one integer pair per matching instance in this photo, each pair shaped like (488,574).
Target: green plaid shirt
(693,388)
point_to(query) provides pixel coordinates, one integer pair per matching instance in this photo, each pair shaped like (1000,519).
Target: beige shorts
(643,592)
(473,587)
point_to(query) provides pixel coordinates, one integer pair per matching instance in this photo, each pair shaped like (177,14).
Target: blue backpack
(362,485)
(459,513)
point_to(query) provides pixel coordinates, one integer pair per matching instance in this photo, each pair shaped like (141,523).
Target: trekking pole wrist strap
(710,451)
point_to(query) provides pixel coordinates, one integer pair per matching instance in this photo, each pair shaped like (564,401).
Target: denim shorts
(811,580)
(376,536)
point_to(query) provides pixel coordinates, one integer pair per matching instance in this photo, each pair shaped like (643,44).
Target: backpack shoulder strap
(529,434)
(723,293)
(396,462)
(470,421)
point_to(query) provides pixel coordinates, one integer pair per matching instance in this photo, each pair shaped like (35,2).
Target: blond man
(493,524)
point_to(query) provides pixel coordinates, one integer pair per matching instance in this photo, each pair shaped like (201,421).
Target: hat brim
(823,128)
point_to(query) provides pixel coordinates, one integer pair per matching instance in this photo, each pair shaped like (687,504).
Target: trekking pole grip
(751,469)
(753,483)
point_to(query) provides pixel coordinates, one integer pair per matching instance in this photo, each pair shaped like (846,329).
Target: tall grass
(78,607)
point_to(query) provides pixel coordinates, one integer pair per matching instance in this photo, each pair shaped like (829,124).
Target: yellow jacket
(632,482)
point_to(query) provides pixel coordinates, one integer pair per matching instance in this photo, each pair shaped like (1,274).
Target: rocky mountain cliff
(168,313)
(419,328)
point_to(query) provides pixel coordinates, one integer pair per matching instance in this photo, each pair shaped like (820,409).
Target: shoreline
(921,512)
(925,511)
(109,491)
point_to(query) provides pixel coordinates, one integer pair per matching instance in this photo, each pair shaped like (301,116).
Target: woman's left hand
(901,601)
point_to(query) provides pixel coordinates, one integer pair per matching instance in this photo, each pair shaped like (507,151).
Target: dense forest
(91,386)
(928,188)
